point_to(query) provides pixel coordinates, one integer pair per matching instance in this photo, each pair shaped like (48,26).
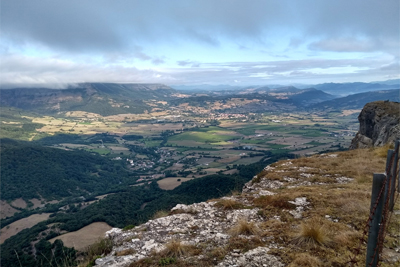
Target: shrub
(128,227)
(166,261)
(101,247)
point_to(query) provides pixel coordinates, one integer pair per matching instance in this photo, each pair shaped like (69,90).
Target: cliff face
(379,124)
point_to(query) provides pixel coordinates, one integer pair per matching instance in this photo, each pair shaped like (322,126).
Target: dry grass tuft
(228,204)
(125,252)
(175,248)
(244,227)
(305,260)
(313,233)
(219,253)
(277,201)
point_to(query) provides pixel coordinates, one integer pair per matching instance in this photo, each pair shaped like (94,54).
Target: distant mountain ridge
(353,88)
(101,98)
(331,88)
(357,101)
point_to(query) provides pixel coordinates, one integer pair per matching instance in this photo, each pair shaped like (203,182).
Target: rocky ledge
(214,225)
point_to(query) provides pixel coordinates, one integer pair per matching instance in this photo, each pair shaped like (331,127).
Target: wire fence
(383,199)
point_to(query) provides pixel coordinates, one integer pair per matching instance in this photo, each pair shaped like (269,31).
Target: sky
(187,42)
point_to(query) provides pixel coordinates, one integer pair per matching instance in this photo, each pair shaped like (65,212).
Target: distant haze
(187,42)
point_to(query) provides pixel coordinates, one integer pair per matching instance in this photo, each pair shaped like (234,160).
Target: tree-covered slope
(31,171)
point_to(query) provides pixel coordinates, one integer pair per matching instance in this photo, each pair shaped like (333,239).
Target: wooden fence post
(393,173)
(377,204)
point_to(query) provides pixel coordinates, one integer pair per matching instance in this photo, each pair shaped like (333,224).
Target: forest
(32,171)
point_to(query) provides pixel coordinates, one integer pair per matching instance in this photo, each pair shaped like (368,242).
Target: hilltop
(268,223)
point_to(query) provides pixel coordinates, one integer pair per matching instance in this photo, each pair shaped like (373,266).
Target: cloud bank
(198,41)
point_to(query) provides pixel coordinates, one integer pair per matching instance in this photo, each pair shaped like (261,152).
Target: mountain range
(101,98)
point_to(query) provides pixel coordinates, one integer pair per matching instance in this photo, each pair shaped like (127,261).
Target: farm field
(85,236)
(6,210)
(189,143)
(171,182)
(18,226)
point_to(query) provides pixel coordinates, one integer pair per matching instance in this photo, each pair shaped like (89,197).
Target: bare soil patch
(6,210)
(19,203)
(231,171)
(18,226)
(172,182)
(85,236)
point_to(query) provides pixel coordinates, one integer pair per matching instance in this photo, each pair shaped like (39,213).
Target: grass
(228,204)
(202,137)
(101,247)
(125,252)
(244,227)
(176,248)
(312,233)
(306,260)
(316,240)
(160,214)
(276,146)
(276,201)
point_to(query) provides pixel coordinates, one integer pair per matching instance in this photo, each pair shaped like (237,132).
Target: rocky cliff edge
(302,212)
(379,124)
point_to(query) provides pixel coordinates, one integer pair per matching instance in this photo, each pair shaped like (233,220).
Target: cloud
(352,44)
(100,25)
(157,61)
(184,63)
(143,41)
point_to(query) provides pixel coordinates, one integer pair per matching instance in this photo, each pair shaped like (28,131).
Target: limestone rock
(379,124)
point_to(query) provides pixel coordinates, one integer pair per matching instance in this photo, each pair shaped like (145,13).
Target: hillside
(354,88)
(269,223)
(31,171)
(357,101)
(101,98)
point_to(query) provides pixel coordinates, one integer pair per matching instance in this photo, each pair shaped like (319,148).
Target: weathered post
(394,175)
(376,210)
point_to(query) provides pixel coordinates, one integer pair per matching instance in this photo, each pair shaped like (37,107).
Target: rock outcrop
(211,225)
(379,124)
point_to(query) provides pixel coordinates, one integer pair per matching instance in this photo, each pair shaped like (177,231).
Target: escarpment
(379,124)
